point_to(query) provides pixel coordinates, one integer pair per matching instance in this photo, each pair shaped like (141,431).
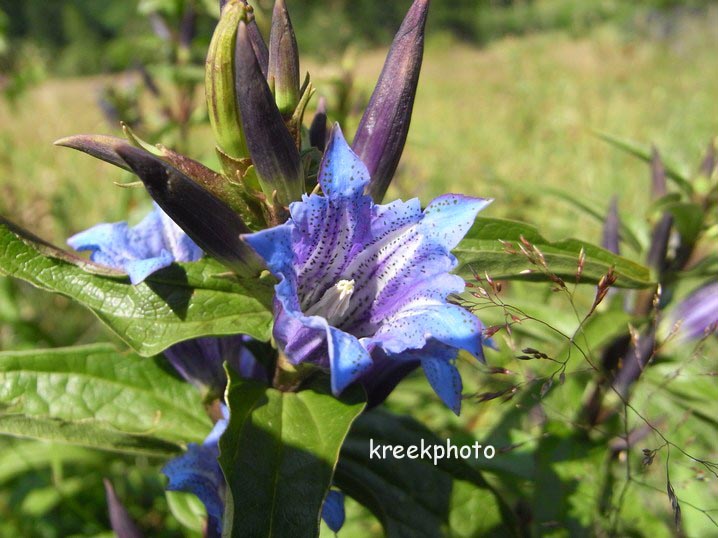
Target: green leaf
(414,497)
(482,251)
(180,302)
(688,218)
(279,453)
(97,397)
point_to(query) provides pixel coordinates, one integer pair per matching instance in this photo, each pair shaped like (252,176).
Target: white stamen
(334,303)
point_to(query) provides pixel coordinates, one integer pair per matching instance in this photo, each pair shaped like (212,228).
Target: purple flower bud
(318,128)
(160,27)
(381,135)
(271,146)
(709,160)
(698,313)
(99,146)
(283,73)
(121,522)
(188,26)
(659,186)
(611,226)
(259,46)
(206,219)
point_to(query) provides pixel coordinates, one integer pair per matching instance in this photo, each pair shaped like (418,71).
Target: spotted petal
(444,378)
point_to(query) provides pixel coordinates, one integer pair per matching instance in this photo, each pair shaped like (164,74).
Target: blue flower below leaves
(139,250)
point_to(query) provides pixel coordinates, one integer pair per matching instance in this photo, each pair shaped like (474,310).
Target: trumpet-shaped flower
(364,287)
(140,250)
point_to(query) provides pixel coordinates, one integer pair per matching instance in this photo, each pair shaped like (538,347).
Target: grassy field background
(504,122)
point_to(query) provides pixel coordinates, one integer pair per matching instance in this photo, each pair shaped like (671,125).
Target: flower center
(334,303)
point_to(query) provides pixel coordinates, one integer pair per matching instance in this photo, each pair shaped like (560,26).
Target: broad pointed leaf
(95,396)
(413,497)
(278,455)
(493,246)
(183,301)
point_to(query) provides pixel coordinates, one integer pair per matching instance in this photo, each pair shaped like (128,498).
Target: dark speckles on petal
(399,260)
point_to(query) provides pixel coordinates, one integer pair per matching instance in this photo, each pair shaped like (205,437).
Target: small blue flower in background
(698,312)
(365,285)
(139,250)
(197,471)
(333,510)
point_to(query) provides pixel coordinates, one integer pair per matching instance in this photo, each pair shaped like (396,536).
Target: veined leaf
(493,246)
(278,455)
(95,396)
(180,302)
(413,497)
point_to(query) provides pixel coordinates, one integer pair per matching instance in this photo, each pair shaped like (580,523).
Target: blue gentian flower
(698,313)
(363,284)
(139,250)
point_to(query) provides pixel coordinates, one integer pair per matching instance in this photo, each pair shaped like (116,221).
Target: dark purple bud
(283,73)
(658,248)
(637,358)
(271,146)
(318,128)
(659,186)
(201,361)
(160,27)
(188,26)
(98,146)
(148,80)
(611,226)
(381,135)
(204,217)
(709,160)
(121,522)
(258,45)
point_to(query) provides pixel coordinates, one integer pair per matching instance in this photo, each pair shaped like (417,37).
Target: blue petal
(178,242)
(109,241)
(444,378)
(333,510)
(348,359)
(698,312)
(141,269)
(449,324)
(197,472)
(274,245)
(220,426)
(153,244)
(341,172)
(448,218)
